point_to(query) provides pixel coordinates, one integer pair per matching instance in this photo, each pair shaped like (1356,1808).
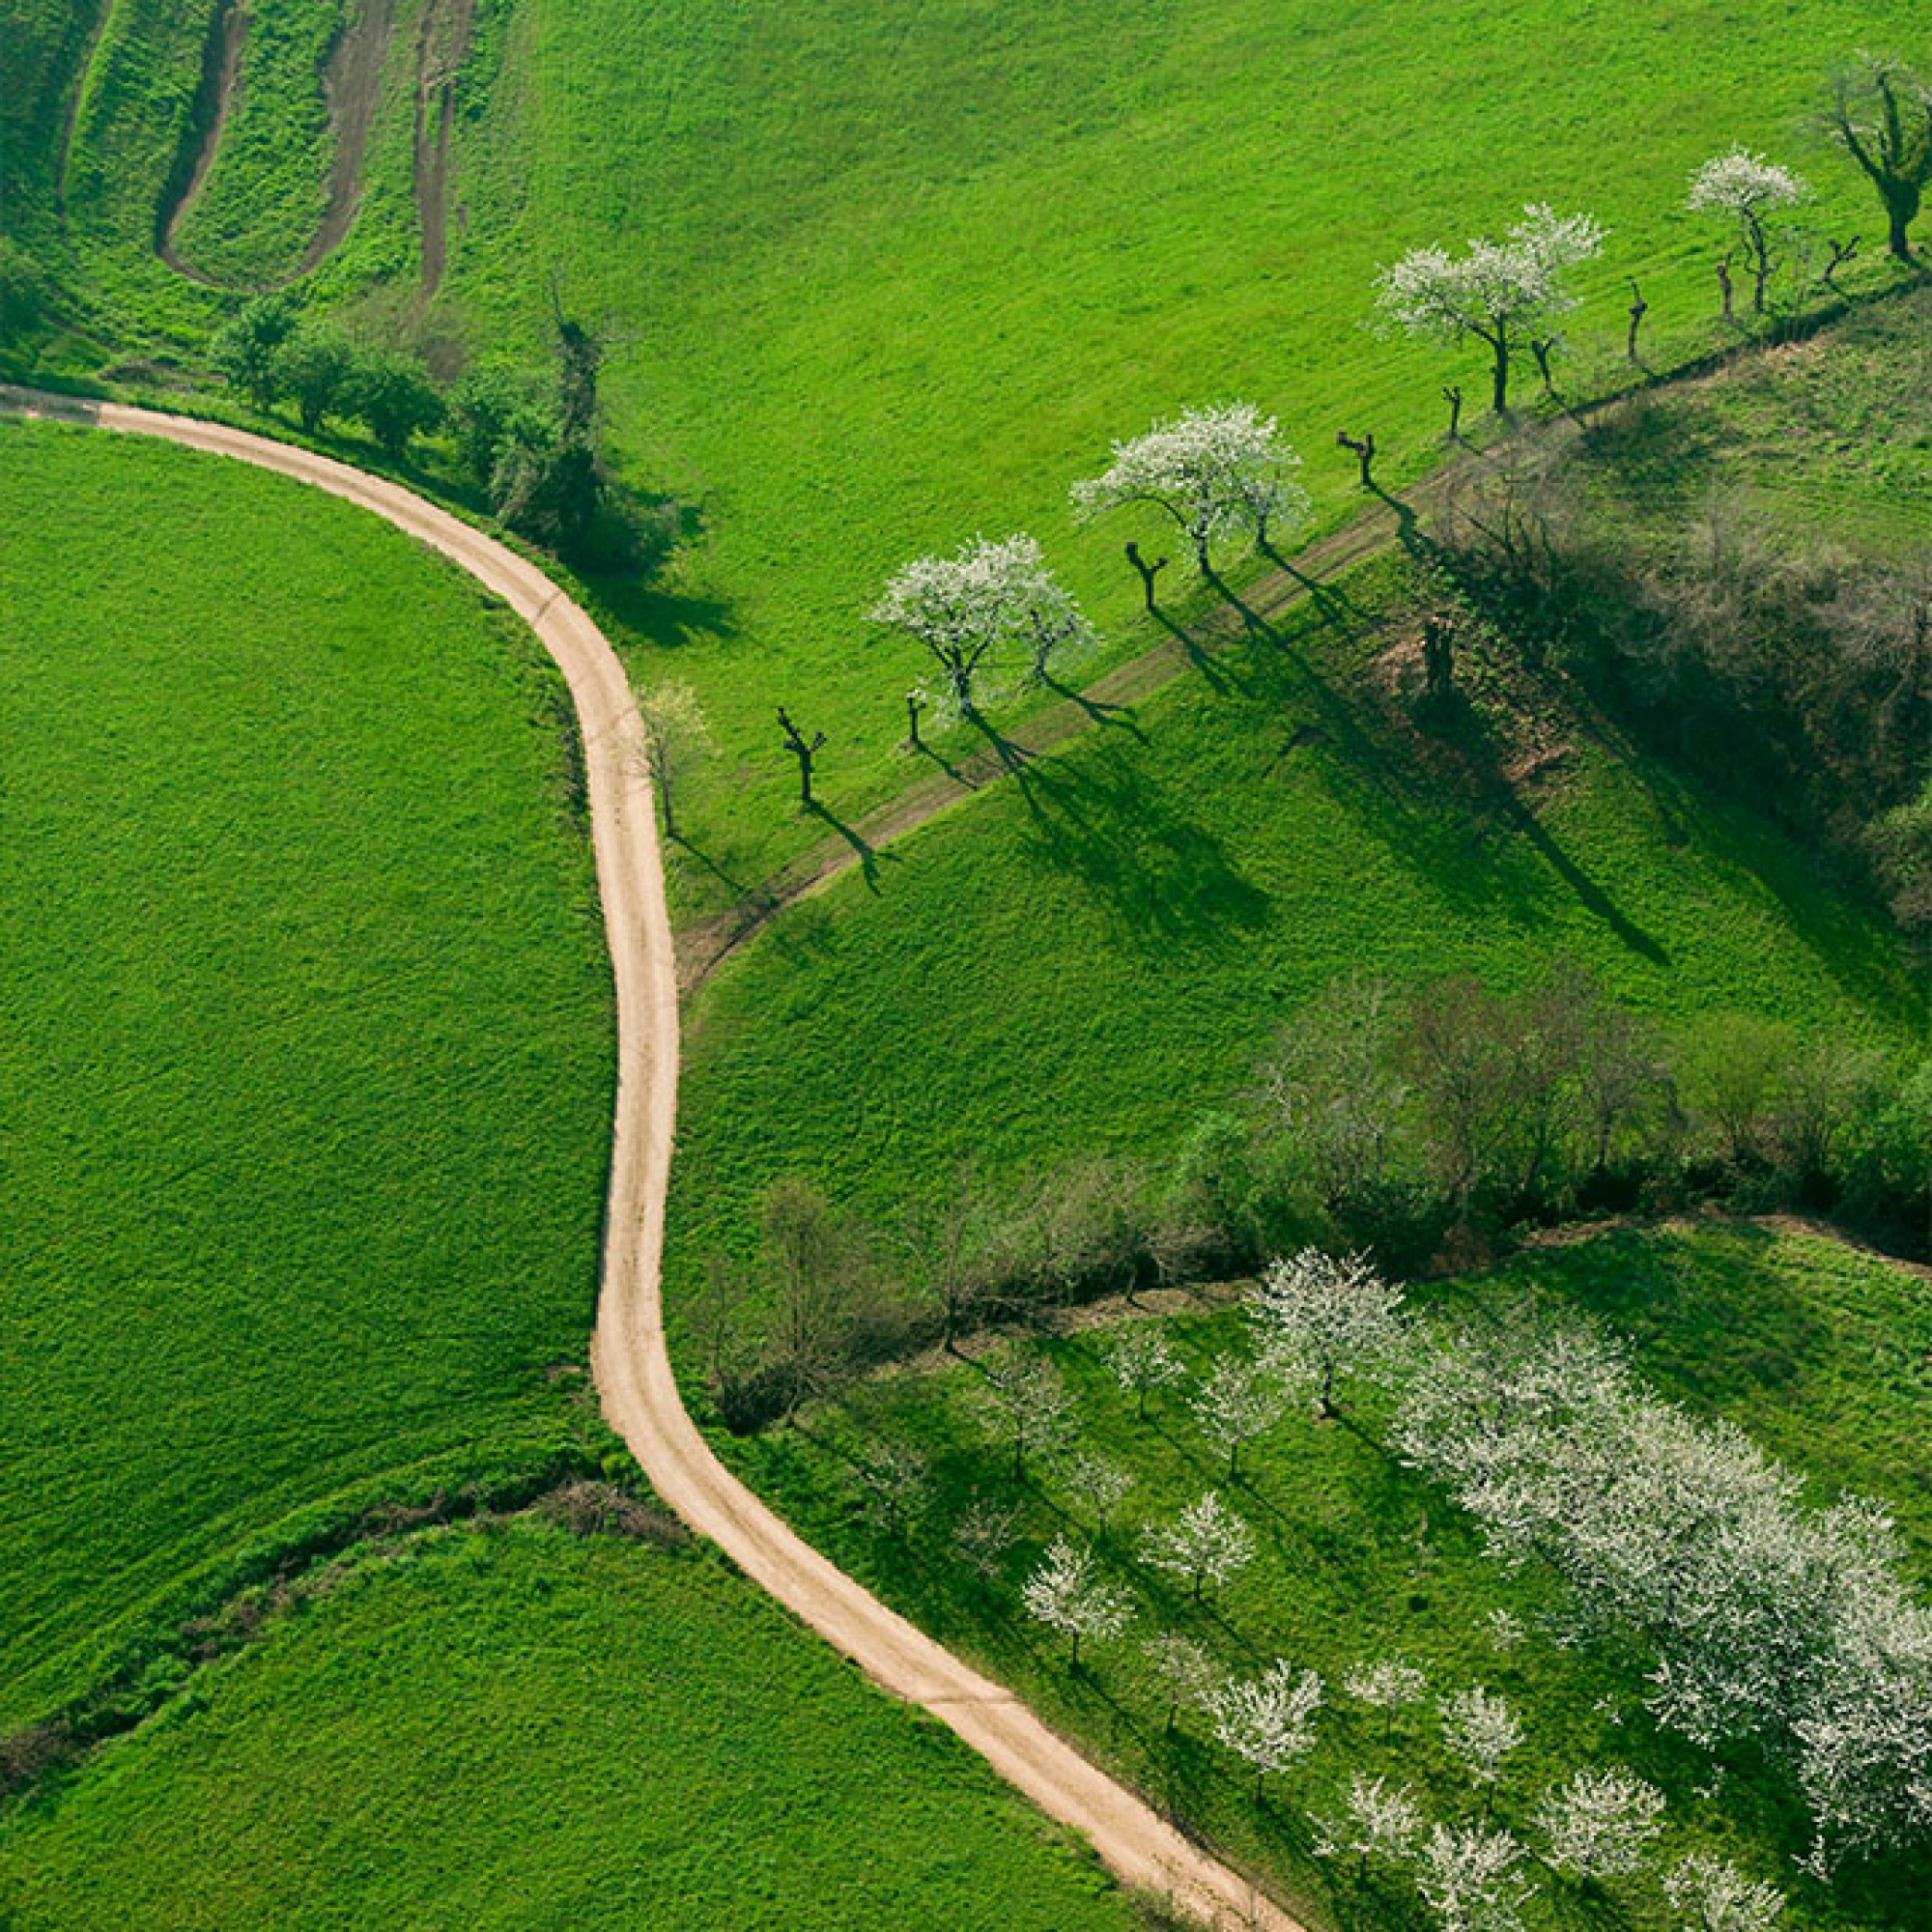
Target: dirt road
(628,1353)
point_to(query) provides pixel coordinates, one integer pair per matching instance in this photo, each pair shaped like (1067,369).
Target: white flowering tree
(1749,191)
(1144,1362)
(1269,1721)
(1186,1674)
(1602,1822)
(1378,1821)
(989,607)
(1218,473)
(1503,294)
(1315,1317)
(673,738)
(1468,1877)
(1207,1544)
(1386,1686)
(1482,1730)
(1713,1895)
(1236,1402)
(1068,1594)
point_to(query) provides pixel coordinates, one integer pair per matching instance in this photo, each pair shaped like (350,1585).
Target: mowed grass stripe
(306,1034)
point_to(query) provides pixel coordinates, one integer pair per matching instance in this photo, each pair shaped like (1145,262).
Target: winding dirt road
(628,1353)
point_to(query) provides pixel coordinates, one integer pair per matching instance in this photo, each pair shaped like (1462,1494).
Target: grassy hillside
(1088,956)
(1815,1351)
(876,281)
(306,1031)
(510,1728)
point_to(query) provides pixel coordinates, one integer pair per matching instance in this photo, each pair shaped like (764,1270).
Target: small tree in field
(1503,294)
(1315,1317)
(675,738)
(1600,1824)
(1235,1404)
(247,349)
(981,608)
(1032,1401)
(1750,191)
(1144,1361)
(1186,1673)
(1268,1720)
(1468,1876)
(1880,114)
(1378,1822)
(1102,1486)
(1712,1895)
(1067,1593)
(1482,1731)
(1207,1543)
(1216,471)
(1386,1686)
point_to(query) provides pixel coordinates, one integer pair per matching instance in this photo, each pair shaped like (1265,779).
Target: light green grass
(1088,957)
(1813,1350)
(306,1036)
(511,1729)
(878,280)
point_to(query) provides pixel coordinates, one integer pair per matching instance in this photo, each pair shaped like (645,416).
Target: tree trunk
(1499,380)
(1899,210)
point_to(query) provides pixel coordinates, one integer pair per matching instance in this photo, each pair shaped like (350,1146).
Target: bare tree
(948,1239)
(804,750)
(811,1260)
(1101,1485)
(1031,1398)
(675,738)
(1187,1676)
(1880,114)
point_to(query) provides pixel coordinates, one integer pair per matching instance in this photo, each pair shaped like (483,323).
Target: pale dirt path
(628,1353)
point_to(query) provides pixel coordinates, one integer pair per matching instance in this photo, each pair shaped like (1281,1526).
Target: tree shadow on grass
(868,855)
(1117,716)
(1109,826)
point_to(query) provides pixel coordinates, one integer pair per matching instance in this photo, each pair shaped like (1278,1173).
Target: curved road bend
(628,1351)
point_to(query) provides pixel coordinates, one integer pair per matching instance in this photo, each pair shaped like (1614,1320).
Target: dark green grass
(511,1728)
(263,199)
(306,1027)
(1361,1560)
(1089,955)
(878,280)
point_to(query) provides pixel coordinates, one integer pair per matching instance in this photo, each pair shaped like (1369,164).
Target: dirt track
(628,1353)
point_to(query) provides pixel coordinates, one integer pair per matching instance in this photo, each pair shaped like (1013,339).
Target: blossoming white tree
(1236,1402)
(1601,1823)
(1482,1730)
(1386,1686)
(1031,1399)
(1468,1876)
(1750,190)
(1316,1316)
(1216,472)
(1186,1673)
(1207,1543)
(1103,1486)
(989,606)
(1502,293)
(1713,1895)
(1380,1821)
(1268,1720)
(1067,1593)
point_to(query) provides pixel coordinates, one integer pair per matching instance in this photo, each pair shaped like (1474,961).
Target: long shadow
(1118,715)
(868,854)
(751,901)
(1406,525)
(1333,606)
(1216,677)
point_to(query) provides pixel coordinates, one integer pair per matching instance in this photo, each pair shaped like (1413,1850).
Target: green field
(877,281)
(307,1032)
(1818,1352)
(507,1727)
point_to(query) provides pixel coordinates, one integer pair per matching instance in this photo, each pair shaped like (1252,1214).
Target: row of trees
(1379,1118)
(530,444)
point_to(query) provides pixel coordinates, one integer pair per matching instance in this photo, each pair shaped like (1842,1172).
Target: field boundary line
(629,1356)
